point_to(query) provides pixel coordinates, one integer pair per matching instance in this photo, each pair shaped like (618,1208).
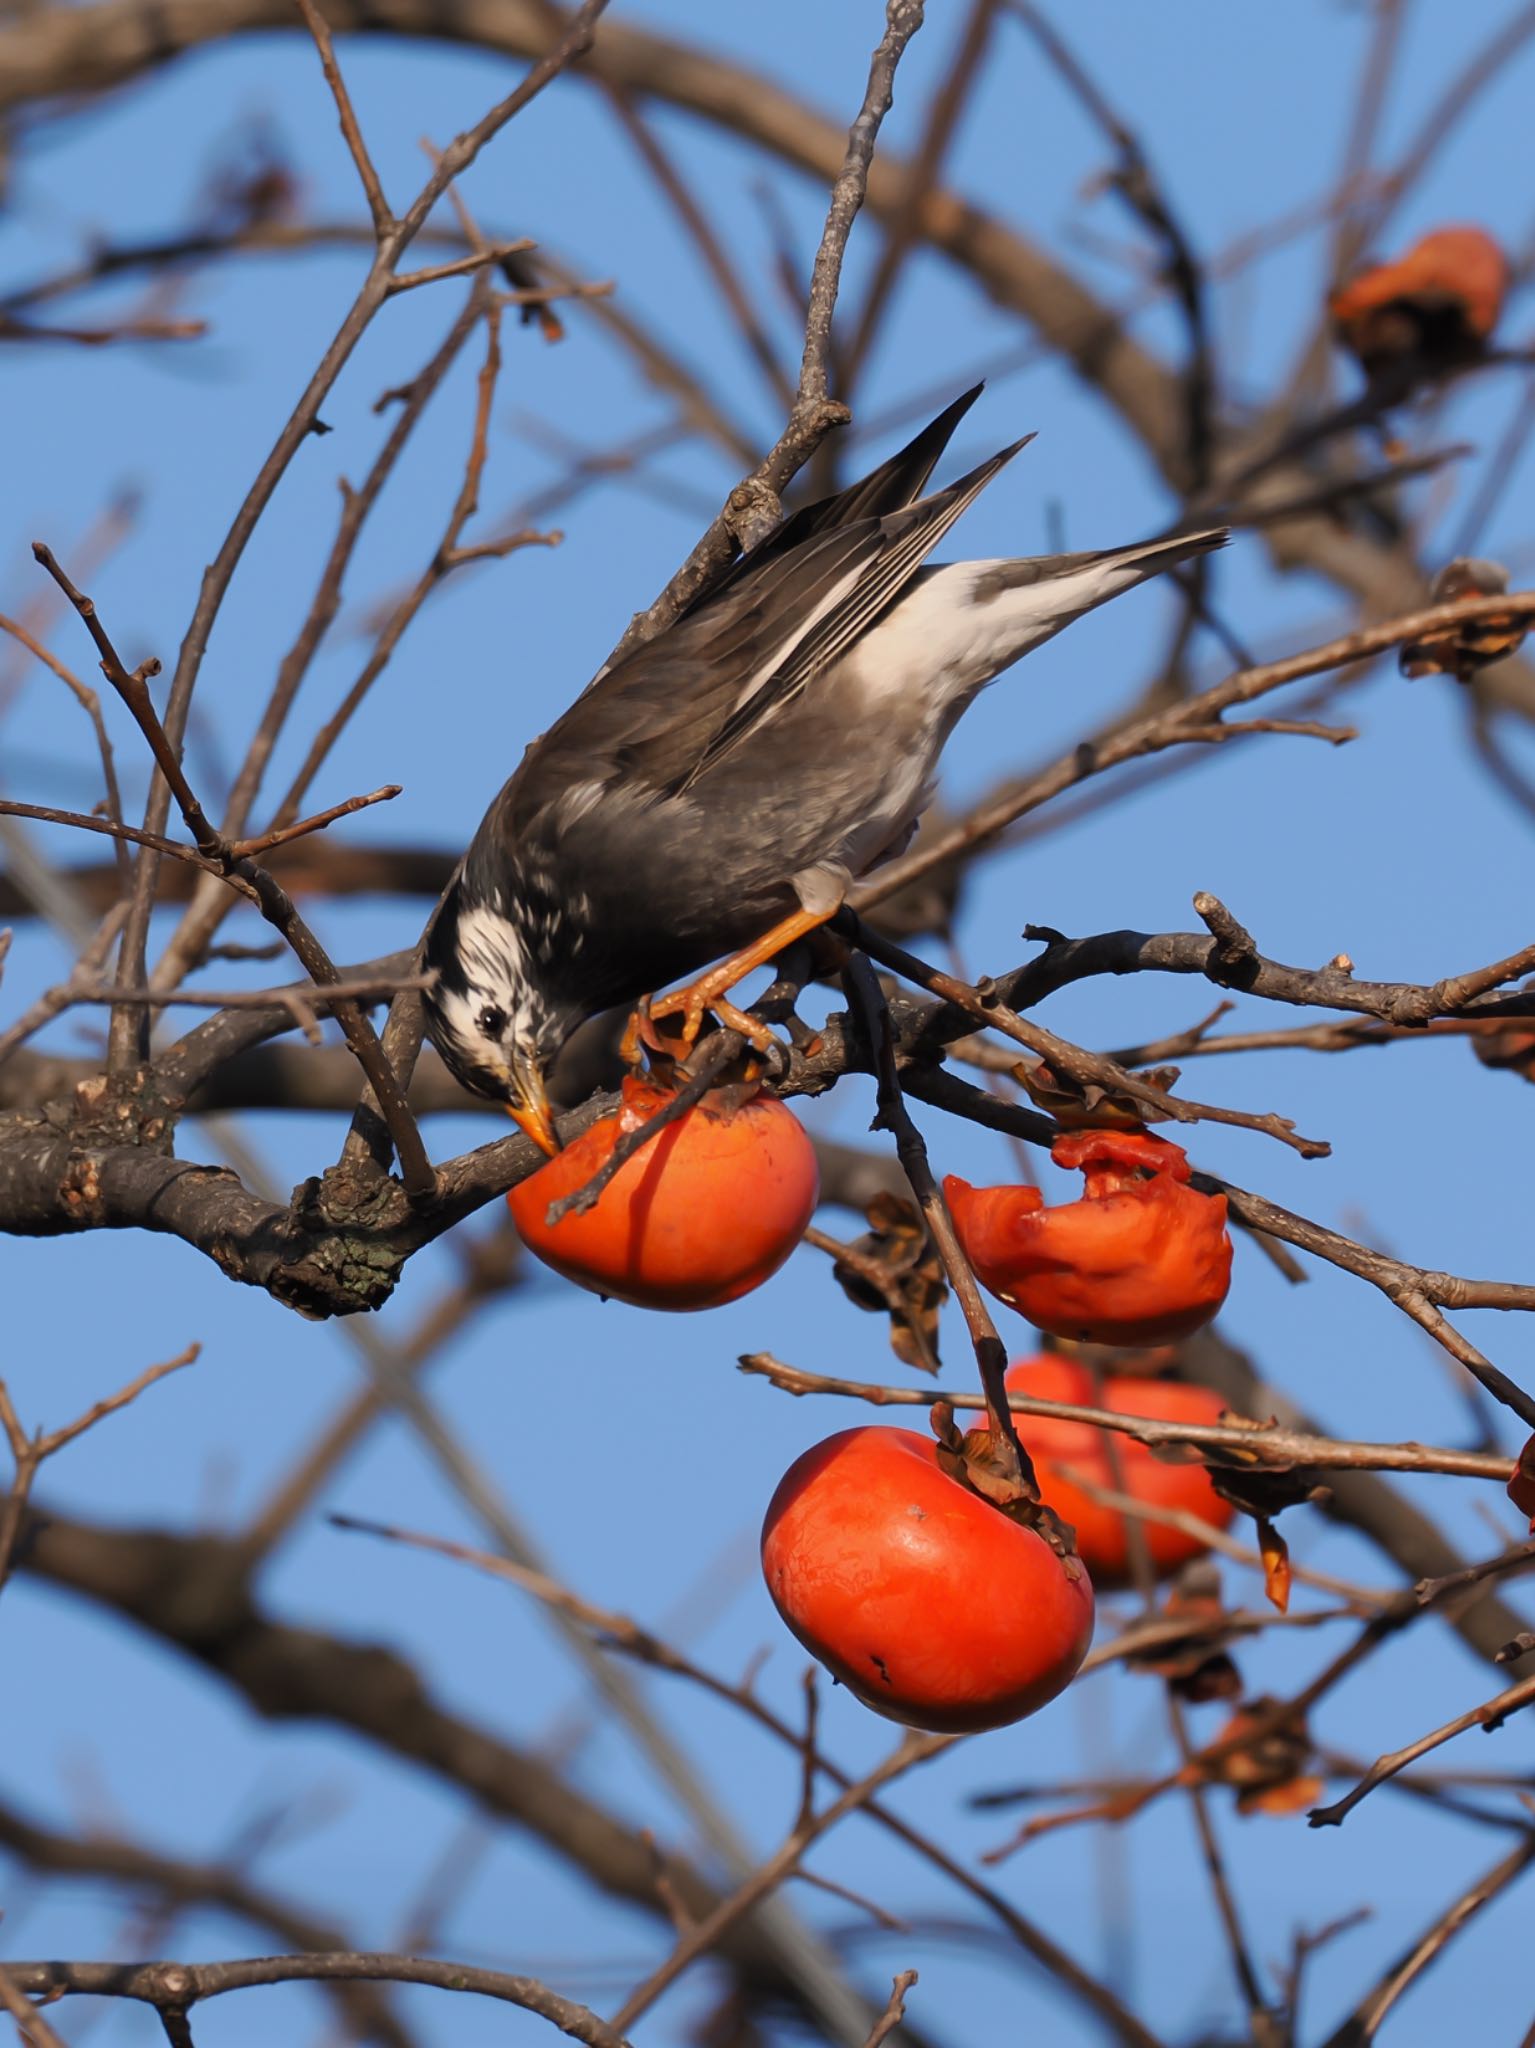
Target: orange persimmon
(1437,304)
(1064,1452)
(930,1604)
(1141,1259)
(705,1211)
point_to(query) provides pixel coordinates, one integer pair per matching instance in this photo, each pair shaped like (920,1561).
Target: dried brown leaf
(1197,1666)
(1275,1553)
(1460,650)
(1079,1105)
(912,1287)
(1268,1770)
(1508,1046)
(1260,1491)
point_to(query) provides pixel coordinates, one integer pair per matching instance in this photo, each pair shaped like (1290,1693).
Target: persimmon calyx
(983,1462)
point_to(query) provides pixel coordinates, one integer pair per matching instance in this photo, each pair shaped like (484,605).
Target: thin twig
(373,191)
(913,1749)
(249,849)
(1265,1445)
(90,702)
(894,2012)
(272,899)
(31,2026)
(1265,2031)
(925,168)
(83,821)
(1513,1560)
(1363,2023)
(1168,728)
(990,1353)
(711,248)
(29,1452)
(753,506)
(704,1067)
(1490,1715)
(175,1987)
(54,1001)
(462,266)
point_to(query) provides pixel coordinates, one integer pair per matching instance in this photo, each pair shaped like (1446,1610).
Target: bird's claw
(688,1003)
(642,1036)
(756,1033)
(691,1006)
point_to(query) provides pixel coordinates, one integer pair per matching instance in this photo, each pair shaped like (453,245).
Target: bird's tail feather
(1041,580)
(1151,557)
(1009,607)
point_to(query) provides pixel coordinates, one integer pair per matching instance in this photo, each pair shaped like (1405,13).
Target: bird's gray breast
(666,883)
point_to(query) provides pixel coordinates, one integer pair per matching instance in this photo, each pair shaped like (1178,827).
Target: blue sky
(1395,849)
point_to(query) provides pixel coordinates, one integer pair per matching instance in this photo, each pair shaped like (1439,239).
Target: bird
(713,794)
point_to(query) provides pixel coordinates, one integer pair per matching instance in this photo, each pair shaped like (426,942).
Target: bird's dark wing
(899,545)
(647,720)
(674,707)
(890,488)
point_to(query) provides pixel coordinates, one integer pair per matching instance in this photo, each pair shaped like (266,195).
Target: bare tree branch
(176,1987)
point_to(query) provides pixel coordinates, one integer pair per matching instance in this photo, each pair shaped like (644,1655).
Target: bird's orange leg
(635,1038)
(708,992)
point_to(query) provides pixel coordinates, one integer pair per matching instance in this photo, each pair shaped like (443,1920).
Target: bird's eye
(492,1022)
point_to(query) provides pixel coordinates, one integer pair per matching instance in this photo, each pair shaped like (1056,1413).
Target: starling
(717,791)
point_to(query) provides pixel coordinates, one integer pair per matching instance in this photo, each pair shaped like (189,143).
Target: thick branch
(192,1594)
(1331,987)
(175,1883)
(172,1988)
(342,1242)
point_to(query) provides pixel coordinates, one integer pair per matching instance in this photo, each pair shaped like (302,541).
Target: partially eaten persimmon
(705,1211)
(1435,306)
(1142,1258)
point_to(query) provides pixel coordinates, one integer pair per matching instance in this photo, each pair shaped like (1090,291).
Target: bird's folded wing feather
(898,482)
(657,720)
(647,720)
(899,545)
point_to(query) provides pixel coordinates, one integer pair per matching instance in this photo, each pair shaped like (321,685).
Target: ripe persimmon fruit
(1063,1451)
(705,1211)
(930,1604)
(1438,303)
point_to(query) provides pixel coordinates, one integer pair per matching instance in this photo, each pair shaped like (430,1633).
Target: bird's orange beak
(531,1113)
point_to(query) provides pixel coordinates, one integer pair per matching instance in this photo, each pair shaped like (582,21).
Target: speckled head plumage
(492,1011)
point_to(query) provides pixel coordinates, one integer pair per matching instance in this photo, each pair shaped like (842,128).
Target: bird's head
(490,1014)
